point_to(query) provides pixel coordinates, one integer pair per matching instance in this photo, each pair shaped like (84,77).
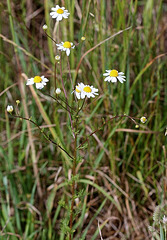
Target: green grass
(122,171)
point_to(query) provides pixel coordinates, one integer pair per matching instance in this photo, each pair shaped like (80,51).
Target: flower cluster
(81,90)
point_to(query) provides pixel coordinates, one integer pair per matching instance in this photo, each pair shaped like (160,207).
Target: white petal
(106,74)
(121,79)
(44,79)
(82,95)
(113,79)
(53,15)
(59,18)
(60,48)
(64,16)
(30,81)
(39,85)
(81,84)
(107,79)
(68,51)
(78,95)
(53,9)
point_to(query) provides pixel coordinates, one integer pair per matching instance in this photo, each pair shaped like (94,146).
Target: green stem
(73,182)
(46,136)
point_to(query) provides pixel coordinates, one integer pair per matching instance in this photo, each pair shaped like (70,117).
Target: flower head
(58,90)
(83,38)
(45,27)
(17,102)
(57,57)
(9,108)
(114,75)
(59,13)
(143,119)
(40,82)
(81,91)
(65,46)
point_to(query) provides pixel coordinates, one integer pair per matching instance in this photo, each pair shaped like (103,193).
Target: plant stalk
(73,182)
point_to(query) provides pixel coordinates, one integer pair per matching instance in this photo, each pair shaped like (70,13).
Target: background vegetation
(119,162)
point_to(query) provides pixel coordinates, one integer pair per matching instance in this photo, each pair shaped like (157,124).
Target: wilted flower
(81,91)
(9,108)
(65,46)
(40,82)
(59,13)
(143,119)
(114,75)
(58,90)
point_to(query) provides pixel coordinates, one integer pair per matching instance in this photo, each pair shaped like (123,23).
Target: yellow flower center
(77,90)
(60,11)
(67,45)
(114,73)
(87,89)
(37,79)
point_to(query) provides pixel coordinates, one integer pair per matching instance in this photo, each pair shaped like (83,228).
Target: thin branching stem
(55,76)
(60,103)
(99,128)
(69,69)
(66,96)
(67,104)
(41,130)
(50,37)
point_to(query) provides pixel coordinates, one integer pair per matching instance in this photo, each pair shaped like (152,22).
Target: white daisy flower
(81,91)
(143,119)
(114,75)
(58,90)
(9,108)
(40,82)
(59,13)
(65,46)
